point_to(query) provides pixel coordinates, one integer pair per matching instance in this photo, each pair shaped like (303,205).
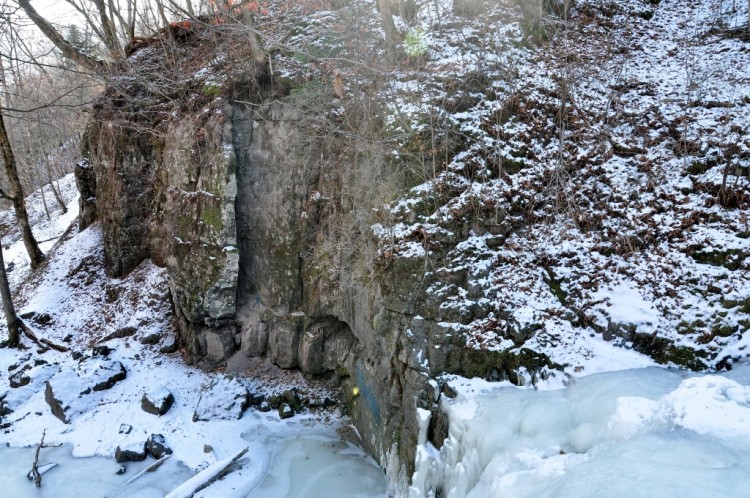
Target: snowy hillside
(584,191)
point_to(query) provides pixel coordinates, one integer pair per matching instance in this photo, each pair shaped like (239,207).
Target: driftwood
(36,472)
(42,343)
(205,477)
(150,468)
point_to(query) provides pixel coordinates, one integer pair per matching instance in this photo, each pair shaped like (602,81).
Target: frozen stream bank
(646,432)
(302,466)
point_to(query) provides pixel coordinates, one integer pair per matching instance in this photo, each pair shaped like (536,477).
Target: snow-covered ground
(71,302)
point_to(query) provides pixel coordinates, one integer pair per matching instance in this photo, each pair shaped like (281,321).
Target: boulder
(170,345)
(158,401)
(225,399)
(151,339)
(156,446)
(132,452)
(67,392)
(285,411)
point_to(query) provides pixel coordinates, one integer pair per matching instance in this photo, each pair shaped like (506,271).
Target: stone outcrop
(261,214)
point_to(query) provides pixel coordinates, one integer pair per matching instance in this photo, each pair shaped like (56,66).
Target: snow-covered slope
(593,187)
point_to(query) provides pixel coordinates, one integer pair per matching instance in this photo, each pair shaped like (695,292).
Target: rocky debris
(66,392)
(170,345)
(125,429)
(120,470)
(132,452)
(321,402)
(225,399)
(151,339)
(285,411)
(42,319)
(120,334)
(102,350)
(291,397)
(156,446)
(158,401)
(19,379)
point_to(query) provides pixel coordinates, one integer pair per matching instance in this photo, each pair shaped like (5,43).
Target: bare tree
(17,197)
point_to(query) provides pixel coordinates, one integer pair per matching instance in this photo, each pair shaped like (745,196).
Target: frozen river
(306,466)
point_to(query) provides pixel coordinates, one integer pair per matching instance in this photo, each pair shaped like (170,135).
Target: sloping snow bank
(644,432)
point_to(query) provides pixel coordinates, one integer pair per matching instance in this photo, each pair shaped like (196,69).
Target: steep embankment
(482,200)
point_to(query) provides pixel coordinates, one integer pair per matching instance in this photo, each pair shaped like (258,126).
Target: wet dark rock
(285,411)
(125,429)
(264,406)
(292,398)
(120,470)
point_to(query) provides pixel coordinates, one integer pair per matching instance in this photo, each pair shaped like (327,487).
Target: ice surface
(643,432)
(321,466)
(83,477)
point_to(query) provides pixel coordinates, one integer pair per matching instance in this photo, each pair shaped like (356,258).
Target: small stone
(170,345)
(125,429)
(285,411)
(76,355)
(448,391)
(120,334)
(68,338)
(42,319)
(156,446)
(27,315)
(158,401)
(265,406)
(102,350)
(292,398)
(151,339)
(120,470)
(19,379)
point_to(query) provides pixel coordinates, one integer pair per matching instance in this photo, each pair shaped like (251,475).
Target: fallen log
(150,468)
(205,477)
(42,343)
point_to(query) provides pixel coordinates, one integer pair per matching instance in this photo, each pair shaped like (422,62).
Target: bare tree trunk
(14,327)
(19,202)
(59,41)
(55,191)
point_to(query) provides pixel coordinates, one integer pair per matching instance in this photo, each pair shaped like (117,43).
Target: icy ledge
(654,431)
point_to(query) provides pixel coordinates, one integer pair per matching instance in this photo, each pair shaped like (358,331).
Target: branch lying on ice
(205,477)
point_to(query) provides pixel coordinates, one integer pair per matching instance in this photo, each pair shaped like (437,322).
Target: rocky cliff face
(259,197)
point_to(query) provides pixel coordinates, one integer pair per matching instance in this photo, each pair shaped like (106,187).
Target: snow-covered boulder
(131,452)
(156,446)
(157,401)
(225,399)
(66,392)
